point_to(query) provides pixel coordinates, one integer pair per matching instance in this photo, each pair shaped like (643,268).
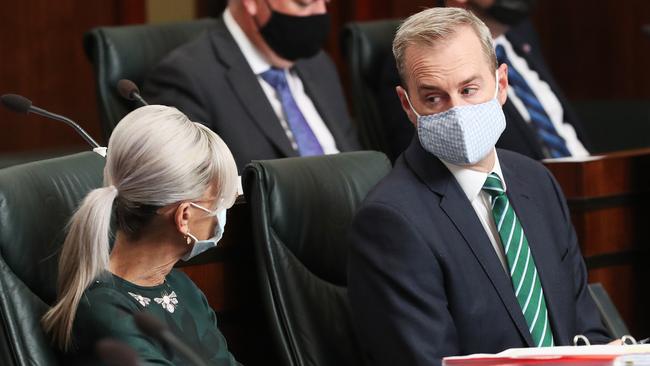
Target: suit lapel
(456,206)
(247,88)
(528,210)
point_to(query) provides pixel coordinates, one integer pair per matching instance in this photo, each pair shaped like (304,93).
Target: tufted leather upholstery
(301,209)
(130,52)
(36,201)
(366,45)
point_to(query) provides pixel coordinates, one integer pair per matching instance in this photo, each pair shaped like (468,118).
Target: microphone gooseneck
(20,104)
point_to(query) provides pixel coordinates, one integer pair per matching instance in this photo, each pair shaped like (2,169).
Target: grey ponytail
(83,258)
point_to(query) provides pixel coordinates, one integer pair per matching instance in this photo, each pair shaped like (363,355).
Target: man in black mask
(540,123)
(259,79)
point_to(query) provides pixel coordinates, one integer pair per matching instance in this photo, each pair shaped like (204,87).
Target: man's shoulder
(198,53)
(399,189)
(522,33)
(192,52)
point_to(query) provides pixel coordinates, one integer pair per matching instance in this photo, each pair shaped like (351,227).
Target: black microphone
(128,90)
(115,353)
(155,329)
(20,104)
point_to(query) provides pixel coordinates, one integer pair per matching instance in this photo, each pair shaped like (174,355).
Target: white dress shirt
(259,65)
(546,97)
(471,182)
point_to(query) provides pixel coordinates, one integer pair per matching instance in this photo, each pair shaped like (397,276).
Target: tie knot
(501,54)
(493,185)
(275,77)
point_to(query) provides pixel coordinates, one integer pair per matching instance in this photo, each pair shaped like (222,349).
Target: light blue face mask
(201,246)
(463,134)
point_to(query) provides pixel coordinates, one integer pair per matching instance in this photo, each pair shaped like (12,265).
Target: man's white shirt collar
(255,59)
(471,181)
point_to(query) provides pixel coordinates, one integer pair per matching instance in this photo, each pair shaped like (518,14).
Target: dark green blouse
(107,308)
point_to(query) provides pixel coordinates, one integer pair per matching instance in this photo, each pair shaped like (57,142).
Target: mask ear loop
(411,105)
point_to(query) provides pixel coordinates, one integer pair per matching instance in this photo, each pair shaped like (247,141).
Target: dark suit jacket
(425,282)
(210,80)
(518,136)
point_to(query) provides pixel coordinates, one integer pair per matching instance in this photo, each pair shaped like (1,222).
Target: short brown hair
(430,26)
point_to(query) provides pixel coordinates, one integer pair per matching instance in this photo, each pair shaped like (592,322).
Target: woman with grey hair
(167,184)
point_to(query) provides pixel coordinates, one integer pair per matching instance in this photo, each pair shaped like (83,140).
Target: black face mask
(293,37)
(511,12)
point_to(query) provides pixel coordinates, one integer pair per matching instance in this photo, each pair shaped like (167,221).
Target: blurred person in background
(260,79)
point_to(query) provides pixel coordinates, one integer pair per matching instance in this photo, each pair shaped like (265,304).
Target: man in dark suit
(462,248)
(260,80)
(515,36)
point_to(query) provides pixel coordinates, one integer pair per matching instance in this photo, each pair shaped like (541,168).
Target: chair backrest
(608,312)
(300,210)
(366,46)
(36,201)
(632,118)
(130,52)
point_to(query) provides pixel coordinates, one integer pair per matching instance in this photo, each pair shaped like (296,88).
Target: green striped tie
(523,273)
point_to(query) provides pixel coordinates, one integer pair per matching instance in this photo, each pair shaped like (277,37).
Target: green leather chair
(300,210)
(36,201)
(366,45)
(608,312)
(130,52)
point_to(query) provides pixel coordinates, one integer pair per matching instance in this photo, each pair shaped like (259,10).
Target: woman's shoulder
(104,311)
(105,303)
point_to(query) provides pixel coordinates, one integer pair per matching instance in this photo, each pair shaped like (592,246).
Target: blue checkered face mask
(463,134)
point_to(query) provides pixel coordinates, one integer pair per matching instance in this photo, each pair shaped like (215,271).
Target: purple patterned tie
(305,138)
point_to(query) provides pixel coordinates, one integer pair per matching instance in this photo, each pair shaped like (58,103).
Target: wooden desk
(609,197)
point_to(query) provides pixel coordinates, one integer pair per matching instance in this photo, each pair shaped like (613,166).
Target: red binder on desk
(634,355)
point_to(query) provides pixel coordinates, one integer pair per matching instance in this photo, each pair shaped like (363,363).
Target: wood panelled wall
(596,50)
(41,57)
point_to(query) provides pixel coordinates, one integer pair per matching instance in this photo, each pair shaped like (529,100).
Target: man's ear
(502,95)
(250,6)
(401,94)
(182,217)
